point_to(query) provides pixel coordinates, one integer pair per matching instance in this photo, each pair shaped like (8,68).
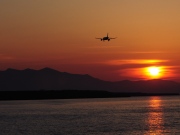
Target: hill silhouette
(50,79)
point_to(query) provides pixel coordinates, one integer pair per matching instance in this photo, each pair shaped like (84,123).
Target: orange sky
(60,34)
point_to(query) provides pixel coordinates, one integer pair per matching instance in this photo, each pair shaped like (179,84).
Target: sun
(154,72)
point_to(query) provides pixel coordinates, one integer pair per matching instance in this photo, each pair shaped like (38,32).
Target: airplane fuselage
(106,38)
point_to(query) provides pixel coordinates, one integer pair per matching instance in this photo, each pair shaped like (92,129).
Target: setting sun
(154,71)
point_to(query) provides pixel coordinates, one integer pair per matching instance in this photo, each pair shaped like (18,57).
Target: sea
(151,115)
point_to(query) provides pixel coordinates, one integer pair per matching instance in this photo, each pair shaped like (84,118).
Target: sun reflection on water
(155,119)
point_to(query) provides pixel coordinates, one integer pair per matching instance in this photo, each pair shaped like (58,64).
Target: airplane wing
(113,38)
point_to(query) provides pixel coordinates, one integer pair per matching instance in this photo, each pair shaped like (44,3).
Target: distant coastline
(50,79)
(72,94)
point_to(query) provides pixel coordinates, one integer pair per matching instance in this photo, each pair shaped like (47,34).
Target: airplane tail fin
(107,34)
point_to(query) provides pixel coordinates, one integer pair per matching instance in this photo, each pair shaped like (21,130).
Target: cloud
(149,52)
(136,62)
(138,71)
(135,69)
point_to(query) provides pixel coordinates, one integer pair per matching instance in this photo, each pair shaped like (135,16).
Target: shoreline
(72,94)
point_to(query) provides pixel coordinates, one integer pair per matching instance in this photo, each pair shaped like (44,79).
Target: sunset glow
(61,35)
(103,66)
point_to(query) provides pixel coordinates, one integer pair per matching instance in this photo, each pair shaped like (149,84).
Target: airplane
(106,38)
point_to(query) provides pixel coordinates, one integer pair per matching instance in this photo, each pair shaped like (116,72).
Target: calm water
(118,116)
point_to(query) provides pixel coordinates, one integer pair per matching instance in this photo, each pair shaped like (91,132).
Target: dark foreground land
(71,94)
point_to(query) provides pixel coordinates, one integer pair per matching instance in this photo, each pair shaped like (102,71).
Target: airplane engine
(101,39)
(108,39)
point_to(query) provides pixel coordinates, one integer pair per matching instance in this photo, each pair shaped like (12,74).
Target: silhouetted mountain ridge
(50,79)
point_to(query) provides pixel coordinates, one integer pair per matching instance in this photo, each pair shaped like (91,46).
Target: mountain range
(50,79)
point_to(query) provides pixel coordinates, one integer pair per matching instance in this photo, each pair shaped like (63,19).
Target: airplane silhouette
(106,38)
